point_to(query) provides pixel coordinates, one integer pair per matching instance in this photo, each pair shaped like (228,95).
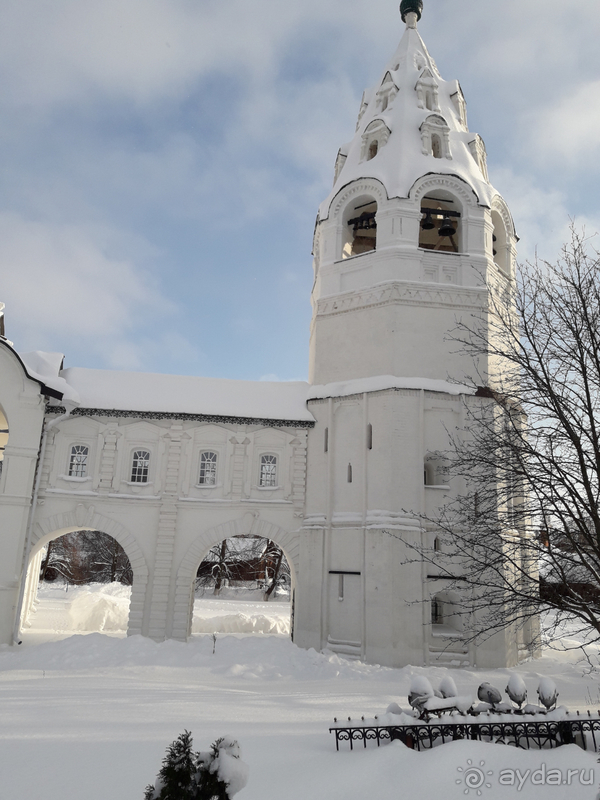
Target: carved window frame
(428,84)
(479,153)
(376,131)
(432,126)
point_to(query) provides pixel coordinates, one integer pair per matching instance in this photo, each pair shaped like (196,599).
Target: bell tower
(411,231)
(408,241)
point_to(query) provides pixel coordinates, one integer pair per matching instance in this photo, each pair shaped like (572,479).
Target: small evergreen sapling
(175,780)
(218,774)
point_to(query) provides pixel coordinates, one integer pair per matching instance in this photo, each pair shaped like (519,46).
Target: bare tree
(244,560)
(522,534)
(86,557)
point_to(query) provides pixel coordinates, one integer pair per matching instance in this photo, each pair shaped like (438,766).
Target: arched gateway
(81,518)
(248,525)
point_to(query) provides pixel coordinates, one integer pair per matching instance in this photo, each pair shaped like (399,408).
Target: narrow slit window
(139,466)
(369,437)
(437,612)
(326,441)
(208,469)
(78,461)
(268,471)
(341,589)
(349,473)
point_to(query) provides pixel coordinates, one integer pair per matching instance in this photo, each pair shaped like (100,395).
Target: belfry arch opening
(440,228)
(78,581)
(500,248)
(243,585)
(360,228)
(3,438)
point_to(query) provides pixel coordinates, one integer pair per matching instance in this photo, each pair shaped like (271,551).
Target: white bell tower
(410,232)
(405,244)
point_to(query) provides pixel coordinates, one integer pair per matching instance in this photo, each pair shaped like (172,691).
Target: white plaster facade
(352,447)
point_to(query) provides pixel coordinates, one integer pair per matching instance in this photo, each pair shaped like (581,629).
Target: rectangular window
(208,469)
(78,461)
(139,466)
(268,471)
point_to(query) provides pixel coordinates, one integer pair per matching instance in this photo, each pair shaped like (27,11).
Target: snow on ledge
(380,383)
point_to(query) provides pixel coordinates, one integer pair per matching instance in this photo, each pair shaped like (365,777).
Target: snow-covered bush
(548,693)
(448,687)
(516,689)
(217,774)
(420,686)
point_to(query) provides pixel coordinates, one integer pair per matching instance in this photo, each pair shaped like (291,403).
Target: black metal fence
(583,731)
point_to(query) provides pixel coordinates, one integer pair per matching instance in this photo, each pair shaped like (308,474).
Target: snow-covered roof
(45,368)
(401,162)
(179,394)
(380,383)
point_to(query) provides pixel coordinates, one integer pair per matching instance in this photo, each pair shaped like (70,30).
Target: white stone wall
(168,524)
(382,613)
(23,408)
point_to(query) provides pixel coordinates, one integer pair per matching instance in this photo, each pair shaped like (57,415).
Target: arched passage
(243,585)
(81,519)
(247,525)
(79,582)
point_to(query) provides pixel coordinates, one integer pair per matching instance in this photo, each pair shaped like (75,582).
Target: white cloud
(542,216)
(63,283)
(195,124)
(566,133)
(147,49)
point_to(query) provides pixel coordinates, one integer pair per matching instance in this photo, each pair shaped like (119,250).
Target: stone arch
(87,518)
(499,205)
(504,236)
(250,523)
(456,197)
(370,187)
(451,183)
(359,204)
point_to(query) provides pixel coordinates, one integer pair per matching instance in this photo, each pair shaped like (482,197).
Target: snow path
(92,715)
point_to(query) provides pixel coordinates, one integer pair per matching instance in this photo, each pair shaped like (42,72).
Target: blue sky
(162,161)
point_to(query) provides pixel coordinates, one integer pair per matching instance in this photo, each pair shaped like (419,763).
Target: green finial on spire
(406,6)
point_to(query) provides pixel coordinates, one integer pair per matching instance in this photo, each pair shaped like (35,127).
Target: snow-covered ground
(90,716)
(63,611)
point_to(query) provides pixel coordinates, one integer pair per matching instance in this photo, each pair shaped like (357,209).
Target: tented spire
(410,124)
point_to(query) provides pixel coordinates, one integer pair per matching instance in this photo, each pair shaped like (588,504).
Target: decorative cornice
(400,293)
(159,415)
